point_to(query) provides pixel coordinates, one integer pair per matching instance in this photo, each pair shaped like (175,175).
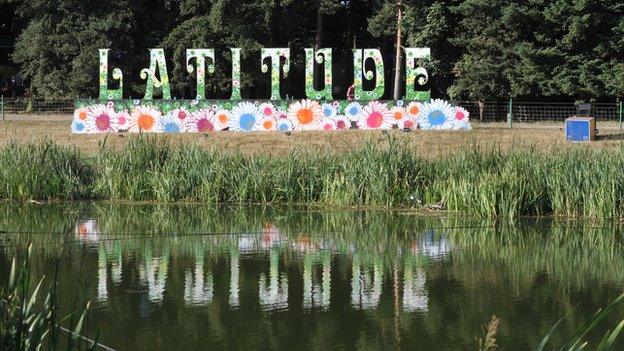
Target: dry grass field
(32,128)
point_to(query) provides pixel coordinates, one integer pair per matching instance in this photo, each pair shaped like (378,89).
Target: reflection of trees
(274,295)
(316,293)
(198,288)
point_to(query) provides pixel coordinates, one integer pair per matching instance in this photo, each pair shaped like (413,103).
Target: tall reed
(485,182)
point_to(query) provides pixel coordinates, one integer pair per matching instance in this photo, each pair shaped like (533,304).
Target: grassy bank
(577,182)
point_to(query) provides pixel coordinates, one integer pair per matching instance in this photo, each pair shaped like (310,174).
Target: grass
(34,128)
(485,182)
(27,323)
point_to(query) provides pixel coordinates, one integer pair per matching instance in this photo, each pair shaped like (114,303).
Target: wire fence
(531,112)
(522,112)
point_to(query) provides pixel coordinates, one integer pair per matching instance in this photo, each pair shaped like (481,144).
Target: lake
(199,277)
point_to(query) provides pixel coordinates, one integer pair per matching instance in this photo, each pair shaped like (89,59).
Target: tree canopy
(481,49)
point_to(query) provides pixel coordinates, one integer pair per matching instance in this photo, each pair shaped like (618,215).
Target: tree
(58,50)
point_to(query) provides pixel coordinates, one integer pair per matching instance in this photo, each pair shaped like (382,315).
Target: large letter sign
(200,56)
(359,65)
(364,110)
(320,56)
(157,61)
(275,56)
(105,93)
(413,72)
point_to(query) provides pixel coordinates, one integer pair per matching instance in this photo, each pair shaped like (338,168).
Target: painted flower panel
(352,111)
(374,116)
(436,115)
(201,121)
(461,121)
(342,122)
(101,119)
(284,125)
(145,119)
(305,114)
(245,117)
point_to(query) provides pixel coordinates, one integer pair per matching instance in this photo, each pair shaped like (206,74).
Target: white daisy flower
(268,124)
(101,119)
(352,111)
(329,110)
(328,124)
(181,113)
(462,119)
(172,124)
(342,122)
(123,120)
(78,126)
(375,116)
(245,117)
(145,119)
(201,121)
(413,109)
(267,109)
(222,119)
(408,124)
(398,115)
(305,114)
(284,125)
(81,114)
(436,114)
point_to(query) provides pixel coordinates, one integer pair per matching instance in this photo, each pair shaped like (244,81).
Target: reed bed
(485,182)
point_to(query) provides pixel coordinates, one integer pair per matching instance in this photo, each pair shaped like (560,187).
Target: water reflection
(198,287)
(153,275)
(188,277)
(366,280)
(316,287)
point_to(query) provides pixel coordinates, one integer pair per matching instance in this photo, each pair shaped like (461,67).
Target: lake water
(193,277)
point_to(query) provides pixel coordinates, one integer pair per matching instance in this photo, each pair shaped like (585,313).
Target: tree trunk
(397,64)
(318,80)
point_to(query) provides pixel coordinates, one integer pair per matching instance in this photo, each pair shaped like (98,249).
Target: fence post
(621,112)
(510,114)
(2,105)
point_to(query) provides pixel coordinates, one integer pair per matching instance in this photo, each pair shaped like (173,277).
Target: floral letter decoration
(105,93)
(320,56)
(111,113)
(275,55)
(359,62)
(413,73)
(236,76)
(200,56)
(157,61)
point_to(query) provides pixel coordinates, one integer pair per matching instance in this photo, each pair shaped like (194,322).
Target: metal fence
(36,106)
(522,112)
(528,112)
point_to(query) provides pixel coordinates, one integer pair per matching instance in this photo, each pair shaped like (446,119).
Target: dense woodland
(481,49)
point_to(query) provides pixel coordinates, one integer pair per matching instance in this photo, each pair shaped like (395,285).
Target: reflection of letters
(366,292)
(198,289)
(315,293)
(275,295)
(102,276)
(234,272)
(154,275)
(414,291)
(115,264)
